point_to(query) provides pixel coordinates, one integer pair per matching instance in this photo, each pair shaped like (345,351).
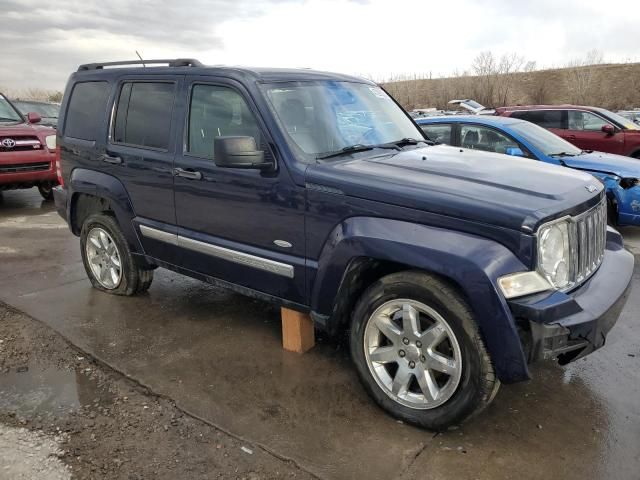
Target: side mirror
(238,152)
(33,117)
(514,152)
(608,129)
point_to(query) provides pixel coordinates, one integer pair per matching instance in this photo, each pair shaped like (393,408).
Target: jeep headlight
(50,140)
(554,253)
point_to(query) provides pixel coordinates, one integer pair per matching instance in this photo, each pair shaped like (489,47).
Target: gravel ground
(64,415)
(25,454)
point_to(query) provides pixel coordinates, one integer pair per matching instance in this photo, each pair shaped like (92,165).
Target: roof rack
(176,62)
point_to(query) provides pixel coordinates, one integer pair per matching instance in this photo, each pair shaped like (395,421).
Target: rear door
(141,148)
(553,120)
(585,131)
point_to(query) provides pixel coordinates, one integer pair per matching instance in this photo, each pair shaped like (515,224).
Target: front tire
(108,260)
(46,191)
(418,351)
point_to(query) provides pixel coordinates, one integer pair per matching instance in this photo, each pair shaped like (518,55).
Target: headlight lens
(554,253)
(50,140)
(523,283)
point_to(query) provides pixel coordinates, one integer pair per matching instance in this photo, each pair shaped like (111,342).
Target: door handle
(572,137)
(109,159)
(190,174)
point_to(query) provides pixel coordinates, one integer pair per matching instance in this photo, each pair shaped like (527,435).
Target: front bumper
(568,326)
(24,168)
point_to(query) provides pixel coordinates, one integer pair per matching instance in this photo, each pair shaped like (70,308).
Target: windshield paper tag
(378,92)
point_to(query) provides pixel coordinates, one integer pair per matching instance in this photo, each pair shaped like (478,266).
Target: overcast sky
(42,42)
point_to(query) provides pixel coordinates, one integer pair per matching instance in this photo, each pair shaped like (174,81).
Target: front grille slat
(25,167)
(590,231)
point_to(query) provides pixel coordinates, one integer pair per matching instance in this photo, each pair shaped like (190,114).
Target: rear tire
(439,350)
(108,260)
(46,190)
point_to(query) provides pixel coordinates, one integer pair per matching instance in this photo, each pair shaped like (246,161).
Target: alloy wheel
(412,353)
(104,258)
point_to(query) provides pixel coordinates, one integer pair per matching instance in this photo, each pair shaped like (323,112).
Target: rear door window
(439,133)
(544,118)
(143,114)
(86,110)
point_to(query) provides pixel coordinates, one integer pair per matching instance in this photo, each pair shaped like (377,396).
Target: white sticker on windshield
(378,92)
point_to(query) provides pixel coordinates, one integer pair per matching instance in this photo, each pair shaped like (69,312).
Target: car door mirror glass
(238,152)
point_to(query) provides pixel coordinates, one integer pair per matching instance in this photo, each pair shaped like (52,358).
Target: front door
(585,132)
(244,226)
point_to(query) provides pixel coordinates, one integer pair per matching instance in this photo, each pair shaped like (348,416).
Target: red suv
(588,128)
(27,151)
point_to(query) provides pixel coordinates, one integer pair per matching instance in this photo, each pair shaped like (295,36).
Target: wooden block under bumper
(297,331)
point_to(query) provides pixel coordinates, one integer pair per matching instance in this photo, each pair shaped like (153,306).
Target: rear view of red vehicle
(588,128)
(27,151)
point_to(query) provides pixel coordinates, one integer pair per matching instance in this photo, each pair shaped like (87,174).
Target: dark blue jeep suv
(451,268)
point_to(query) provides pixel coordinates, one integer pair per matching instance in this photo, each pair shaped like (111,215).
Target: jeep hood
(477,186)
(624,167)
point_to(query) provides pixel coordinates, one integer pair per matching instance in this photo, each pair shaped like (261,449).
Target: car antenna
(140,57)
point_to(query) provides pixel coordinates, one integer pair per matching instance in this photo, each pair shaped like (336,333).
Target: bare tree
(510,64)
(485,68)
(581,74)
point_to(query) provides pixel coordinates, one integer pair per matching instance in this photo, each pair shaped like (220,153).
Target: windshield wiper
(9,119)
(409,141)
(562,154)
(358,147)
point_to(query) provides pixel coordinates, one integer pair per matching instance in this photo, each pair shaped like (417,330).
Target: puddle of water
(38,390)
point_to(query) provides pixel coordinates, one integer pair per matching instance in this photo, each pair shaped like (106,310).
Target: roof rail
(176,62)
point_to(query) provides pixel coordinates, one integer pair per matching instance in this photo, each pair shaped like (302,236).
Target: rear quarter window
(86,110)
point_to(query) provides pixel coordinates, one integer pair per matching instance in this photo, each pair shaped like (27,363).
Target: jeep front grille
(25,167)
(589,235)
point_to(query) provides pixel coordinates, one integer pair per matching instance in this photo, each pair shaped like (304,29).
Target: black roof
(191,66)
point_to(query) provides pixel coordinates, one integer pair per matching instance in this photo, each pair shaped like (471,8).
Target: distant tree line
(511,79)
(35,94)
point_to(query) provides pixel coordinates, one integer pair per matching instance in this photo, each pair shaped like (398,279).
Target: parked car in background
(450,269)
(472,106)
(47,111)
(633,115)
(27,151)
(519,138)
(588,128)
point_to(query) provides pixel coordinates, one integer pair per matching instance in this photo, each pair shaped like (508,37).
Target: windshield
(625,122)
(327,116)
(46,110)
(7,112)
(542,139)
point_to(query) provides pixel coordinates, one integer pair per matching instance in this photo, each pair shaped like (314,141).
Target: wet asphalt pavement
(217,355)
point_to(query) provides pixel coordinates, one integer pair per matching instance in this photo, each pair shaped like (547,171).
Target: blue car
(519,138)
